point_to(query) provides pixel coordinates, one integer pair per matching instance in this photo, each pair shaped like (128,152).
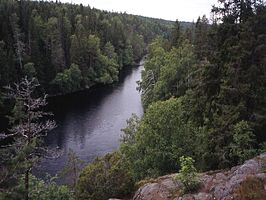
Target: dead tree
(30,125)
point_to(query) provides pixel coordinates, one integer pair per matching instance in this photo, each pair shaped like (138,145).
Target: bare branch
(30,127)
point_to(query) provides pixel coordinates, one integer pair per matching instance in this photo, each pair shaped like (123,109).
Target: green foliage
(154,60)
(72,168)
(242,147)
(22,145)
(54,35)
(97,66)
(109,51)
(128,137)
(230,87)
(201,38)
(128,55)
(176,35)
(29,70)
(39,190)
(203,97)
(219,116)
(69,80)
(220,82)
(262,147)
(138,46)
(153,145)
(109,71)
(188,175)
(166,72)
(104,178)
(173,77)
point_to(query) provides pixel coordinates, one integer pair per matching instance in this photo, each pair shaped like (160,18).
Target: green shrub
(153,144)
(188,175)
(242,146)
(106,177)
(39,190)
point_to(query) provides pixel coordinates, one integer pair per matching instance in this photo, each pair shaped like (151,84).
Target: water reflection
(90,122)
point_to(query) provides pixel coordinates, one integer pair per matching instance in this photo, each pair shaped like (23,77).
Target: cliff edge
(243,182)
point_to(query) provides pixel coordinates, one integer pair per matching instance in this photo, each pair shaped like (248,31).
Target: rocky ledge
(243,182)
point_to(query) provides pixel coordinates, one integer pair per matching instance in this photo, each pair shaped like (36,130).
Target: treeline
(204,97)
(70,47)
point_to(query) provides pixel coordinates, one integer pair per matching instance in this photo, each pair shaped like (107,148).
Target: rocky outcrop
(247,181)
(162,188)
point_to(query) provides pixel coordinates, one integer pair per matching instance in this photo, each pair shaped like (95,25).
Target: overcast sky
(183,10)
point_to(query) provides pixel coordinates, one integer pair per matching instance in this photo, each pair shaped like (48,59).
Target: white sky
(183,10)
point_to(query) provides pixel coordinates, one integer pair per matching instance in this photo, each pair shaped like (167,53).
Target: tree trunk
(26,184)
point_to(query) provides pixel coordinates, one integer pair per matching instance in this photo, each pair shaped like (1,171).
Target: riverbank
(100,85)
(4,125)
(90,122)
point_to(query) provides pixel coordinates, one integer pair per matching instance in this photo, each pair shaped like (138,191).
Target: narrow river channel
(90,122)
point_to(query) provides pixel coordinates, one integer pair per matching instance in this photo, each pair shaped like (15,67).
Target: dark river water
(90,122)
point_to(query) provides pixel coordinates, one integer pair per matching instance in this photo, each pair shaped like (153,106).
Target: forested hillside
(203,90)
(204,99)
(70,47)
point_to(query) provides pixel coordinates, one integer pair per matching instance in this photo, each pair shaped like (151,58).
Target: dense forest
(60,48)
(204,98)
(203,90)
(70,47)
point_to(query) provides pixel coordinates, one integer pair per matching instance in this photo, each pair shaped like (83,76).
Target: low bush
(39,189)
(106,177)
(188,175)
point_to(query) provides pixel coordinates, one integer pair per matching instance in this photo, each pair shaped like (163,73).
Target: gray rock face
(163,188)
(219,185)
(236,177)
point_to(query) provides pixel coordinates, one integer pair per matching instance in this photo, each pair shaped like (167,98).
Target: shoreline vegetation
(96,85)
